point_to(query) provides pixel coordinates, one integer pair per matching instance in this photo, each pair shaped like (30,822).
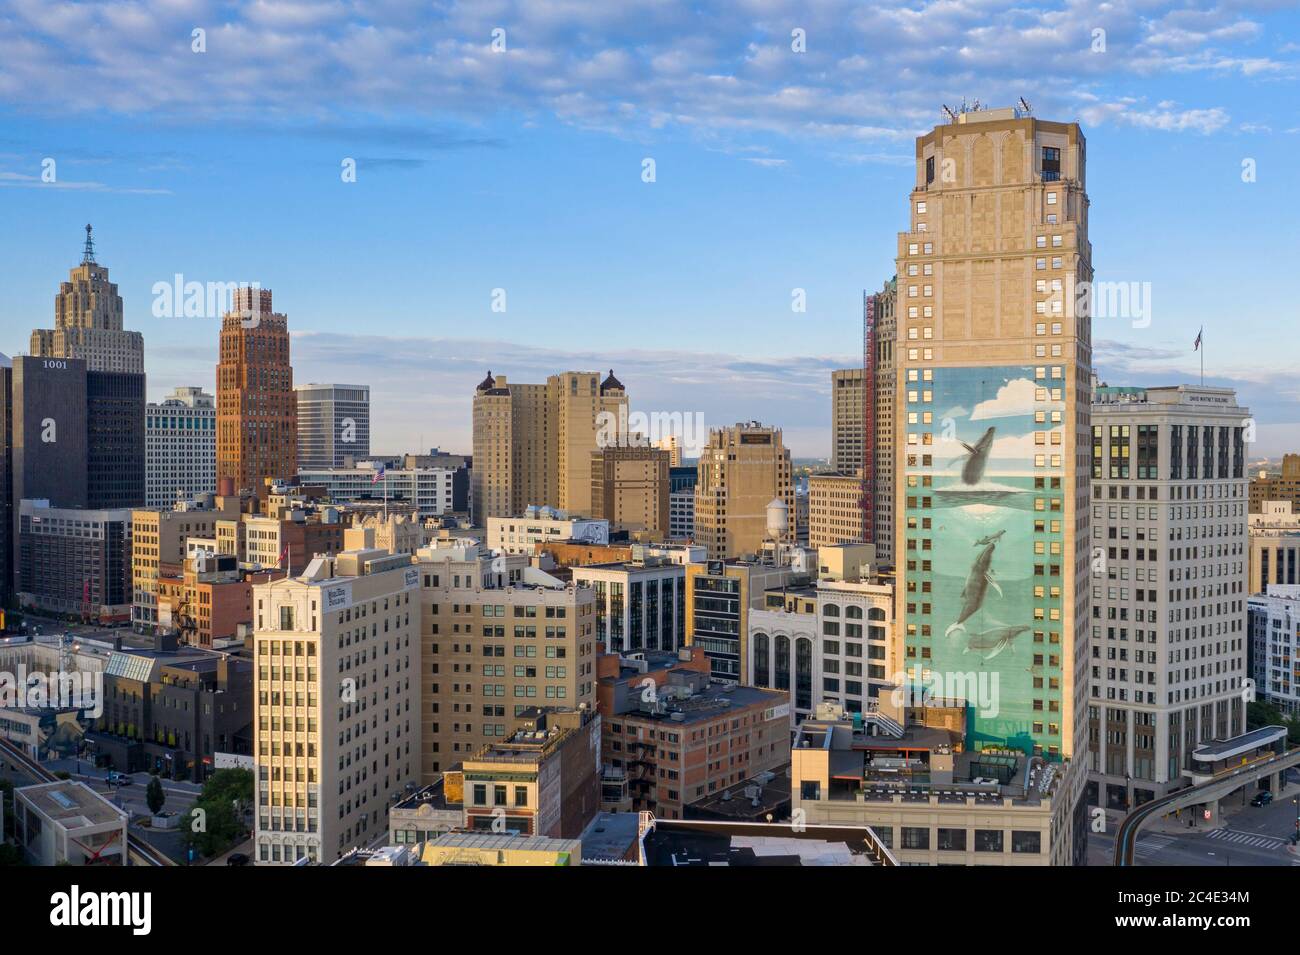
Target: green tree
(215,822)
(154,796)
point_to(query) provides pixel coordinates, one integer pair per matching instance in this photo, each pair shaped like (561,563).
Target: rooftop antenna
(952,117)
(1024,104)
(88,256)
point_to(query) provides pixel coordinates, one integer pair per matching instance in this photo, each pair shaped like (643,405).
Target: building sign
(337,597)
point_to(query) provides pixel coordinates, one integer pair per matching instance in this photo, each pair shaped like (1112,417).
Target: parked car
(1262,798)
(119,779)
(237,858)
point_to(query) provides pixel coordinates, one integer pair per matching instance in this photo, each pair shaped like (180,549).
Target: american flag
(1196,345)
(378,474)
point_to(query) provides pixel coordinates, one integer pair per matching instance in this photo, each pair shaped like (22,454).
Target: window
(988,840)
(1051,164)
(952,840)
(916,838)
(1022,841)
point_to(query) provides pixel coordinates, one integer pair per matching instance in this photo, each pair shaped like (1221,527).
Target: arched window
(853,613)
(875,613)
(762,660)
(782,663)
(832,610)
(803,673)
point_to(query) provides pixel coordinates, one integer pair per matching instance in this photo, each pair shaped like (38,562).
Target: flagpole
(1202,351)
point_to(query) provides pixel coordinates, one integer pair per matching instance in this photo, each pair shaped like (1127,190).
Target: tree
(154,796)
(214,822)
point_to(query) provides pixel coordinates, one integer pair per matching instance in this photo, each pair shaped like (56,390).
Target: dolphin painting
(978,458)
(978,581)
(993,641)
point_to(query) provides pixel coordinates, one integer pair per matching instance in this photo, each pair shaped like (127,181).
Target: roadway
(139,852)
(1251,835)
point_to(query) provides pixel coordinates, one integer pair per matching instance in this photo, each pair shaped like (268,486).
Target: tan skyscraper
(847,420)
(88,321)
(629,488)
(497,637)
(533,443)
(257,409)
(336,711)
(993,400)
(741,471)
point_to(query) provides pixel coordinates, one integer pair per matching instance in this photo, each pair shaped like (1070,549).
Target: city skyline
(789,165)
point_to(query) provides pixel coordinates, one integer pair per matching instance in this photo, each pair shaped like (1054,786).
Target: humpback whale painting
(978,459)
(991,548)
(978,582)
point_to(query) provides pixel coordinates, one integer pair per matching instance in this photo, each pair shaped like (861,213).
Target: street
(1255,836)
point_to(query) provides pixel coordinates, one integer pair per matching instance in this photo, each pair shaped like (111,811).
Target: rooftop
(699,843)
(72,805)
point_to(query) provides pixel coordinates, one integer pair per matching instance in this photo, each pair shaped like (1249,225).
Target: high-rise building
(681,502)
(884,304)
(629,488)
(333,422)
(1169,572)
(429,491)
(180,447)
(74,561)
(257,418)
(834,509)
(743,469)
(1283,486)
(1274,530)
(1275,646)
(337,703)
(992,404)
(88,322)
(673,445)
(115,439)
(533,443)
(88,329)
(497,637)
(847,420)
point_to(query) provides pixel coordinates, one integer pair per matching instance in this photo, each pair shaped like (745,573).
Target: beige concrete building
(533,443)
(629,488)
(927,797)
(743,469)
(992,407)
(497,637)
(88,322)
(337,698)
(1168,633)
(720,596)
(1274,545)
(159,537)
(543,525)
(1282,486)
(834,509)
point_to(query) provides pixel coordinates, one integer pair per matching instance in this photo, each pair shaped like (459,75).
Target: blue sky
(521,169)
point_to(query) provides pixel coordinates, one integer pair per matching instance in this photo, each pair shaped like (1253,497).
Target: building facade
(1283,486)
(257,416)
(75,561)
(741,471)
(337,697)
(333,423)
(180,447)
(533,443)
(629,488)
(1274,531)
(1168,576)
(429,490)
(834,509)
(1274,621)
(640,604)
(497,637)
(992,402)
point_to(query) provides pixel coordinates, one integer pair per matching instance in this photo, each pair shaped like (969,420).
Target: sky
(500,215)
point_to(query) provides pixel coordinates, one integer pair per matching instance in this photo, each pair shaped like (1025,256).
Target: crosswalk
(1149,845)
(1254,840)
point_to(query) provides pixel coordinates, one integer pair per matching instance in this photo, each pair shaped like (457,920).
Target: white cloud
(1016,397)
